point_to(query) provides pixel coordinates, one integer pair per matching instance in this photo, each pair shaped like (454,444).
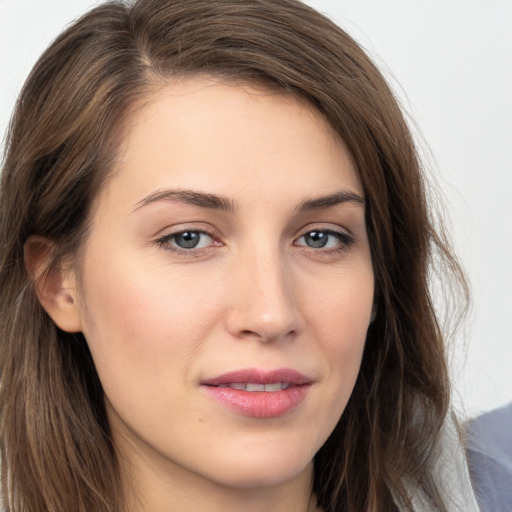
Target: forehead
(206,133)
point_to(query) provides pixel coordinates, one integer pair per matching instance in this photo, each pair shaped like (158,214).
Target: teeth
(251,386)
(273,387)
(237,385)
(254,387)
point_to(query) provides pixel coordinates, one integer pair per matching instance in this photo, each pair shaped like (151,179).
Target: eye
(188,239)
(324,239)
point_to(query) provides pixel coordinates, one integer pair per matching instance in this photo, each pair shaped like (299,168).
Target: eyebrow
(339,197)
(202,199)
(223,203)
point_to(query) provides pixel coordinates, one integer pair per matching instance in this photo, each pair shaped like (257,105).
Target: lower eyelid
(169,239)
(343,237)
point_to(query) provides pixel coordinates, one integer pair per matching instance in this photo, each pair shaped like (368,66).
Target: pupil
(316,239)
(187,240)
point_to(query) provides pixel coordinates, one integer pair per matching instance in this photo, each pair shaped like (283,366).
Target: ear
(55,286)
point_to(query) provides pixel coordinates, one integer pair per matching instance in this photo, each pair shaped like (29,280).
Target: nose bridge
(264,305)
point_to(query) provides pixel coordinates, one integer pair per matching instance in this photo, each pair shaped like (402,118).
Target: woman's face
(226,285)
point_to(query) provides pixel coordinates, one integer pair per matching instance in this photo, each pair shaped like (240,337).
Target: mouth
(259,394)
(255,387)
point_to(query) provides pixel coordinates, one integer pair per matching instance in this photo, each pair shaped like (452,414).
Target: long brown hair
(56,449)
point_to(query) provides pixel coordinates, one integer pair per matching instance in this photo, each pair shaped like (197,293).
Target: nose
(264,301)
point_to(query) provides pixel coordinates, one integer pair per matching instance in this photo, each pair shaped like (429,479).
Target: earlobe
(54,285)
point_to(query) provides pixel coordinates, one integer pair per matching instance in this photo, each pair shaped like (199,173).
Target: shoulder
(489,452)
(449,473)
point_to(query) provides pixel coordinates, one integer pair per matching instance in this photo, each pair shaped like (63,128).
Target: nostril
(252,334)
(266,337)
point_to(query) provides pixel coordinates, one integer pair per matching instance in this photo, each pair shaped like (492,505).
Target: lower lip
(259,404)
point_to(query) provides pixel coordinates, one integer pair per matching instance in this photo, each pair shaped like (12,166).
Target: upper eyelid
(182,231)
(168,242)
(172,235)
(326,227)
(215,233)
(345,237)
(332,232)
(183,227)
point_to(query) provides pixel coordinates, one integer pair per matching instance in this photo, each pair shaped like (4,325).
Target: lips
(257,393)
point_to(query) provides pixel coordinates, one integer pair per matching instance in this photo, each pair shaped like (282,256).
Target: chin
(258,478)
(257,470)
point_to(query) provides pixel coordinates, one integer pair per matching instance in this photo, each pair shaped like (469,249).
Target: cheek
(339,308)
(340,316)
(139,322)
(132,297)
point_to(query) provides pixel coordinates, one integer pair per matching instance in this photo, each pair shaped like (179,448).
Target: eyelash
(345,241)
(166,241)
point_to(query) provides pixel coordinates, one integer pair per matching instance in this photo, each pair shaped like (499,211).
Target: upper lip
(256,376)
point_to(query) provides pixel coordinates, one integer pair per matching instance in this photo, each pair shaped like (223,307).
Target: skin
(159,319)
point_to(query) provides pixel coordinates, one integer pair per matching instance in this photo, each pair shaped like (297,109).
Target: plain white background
(450,62)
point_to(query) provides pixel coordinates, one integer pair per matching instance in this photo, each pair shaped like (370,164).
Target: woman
(214,274)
